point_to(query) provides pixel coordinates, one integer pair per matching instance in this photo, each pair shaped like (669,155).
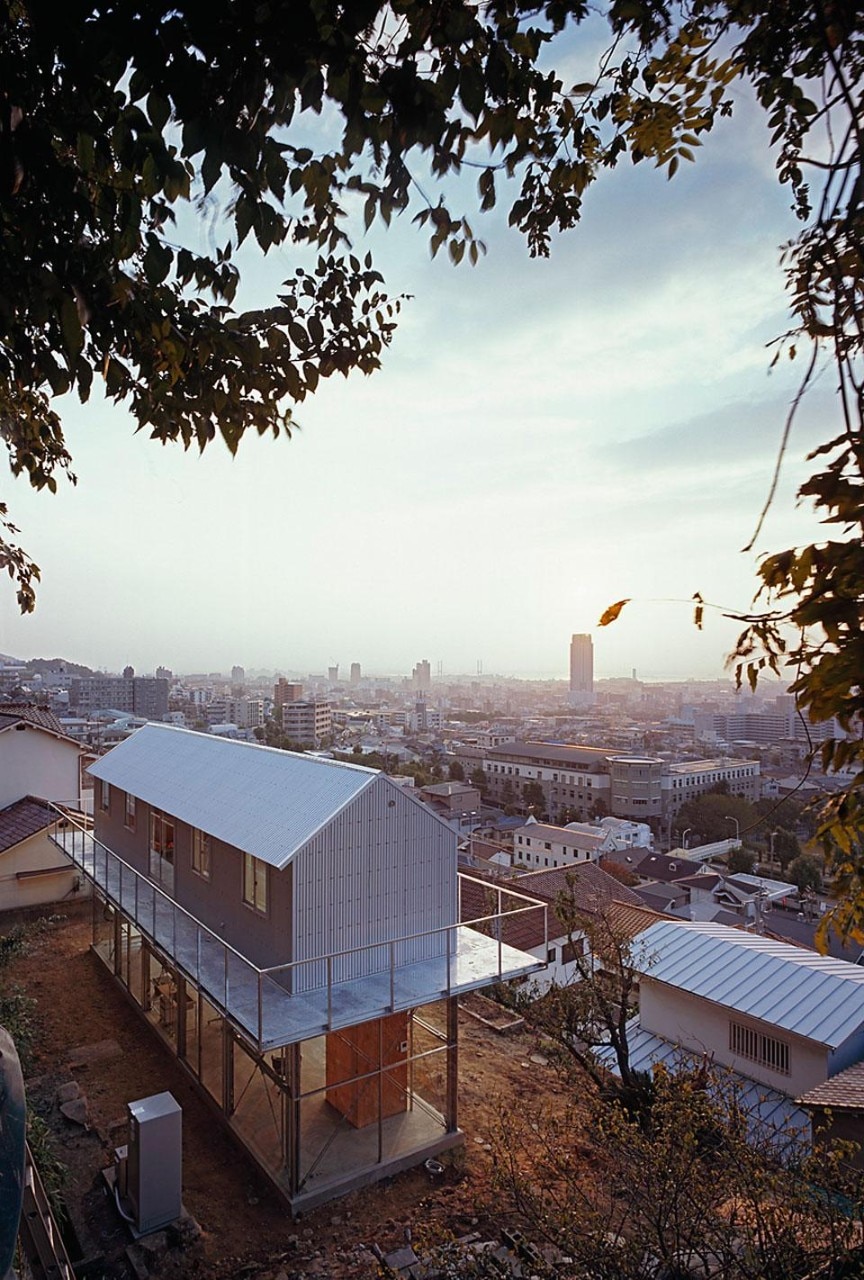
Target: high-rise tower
(581,671)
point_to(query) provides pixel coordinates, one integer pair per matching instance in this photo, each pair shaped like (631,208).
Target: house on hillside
(289,925)
(783,1019)
(591,892)
(39,764)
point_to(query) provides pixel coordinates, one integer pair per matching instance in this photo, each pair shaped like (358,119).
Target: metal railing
(307,997)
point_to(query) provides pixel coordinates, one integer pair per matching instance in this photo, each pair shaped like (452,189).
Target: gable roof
(12,714)
(23,819)
(261,800)
(795,990)
(584,839)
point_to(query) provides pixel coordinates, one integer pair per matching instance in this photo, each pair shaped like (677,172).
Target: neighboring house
(628,835)
(37,758)
(539,845)
(289,925)
(592,893)
(33,871)
(784,1019)
(38,764)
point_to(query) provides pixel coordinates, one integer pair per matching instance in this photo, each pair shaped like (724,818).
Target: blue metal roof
(817,997)
(768,1113)
(266,802)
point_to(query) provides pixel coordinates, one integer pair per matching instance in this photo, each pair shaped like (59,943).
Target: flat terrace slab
(268,1014)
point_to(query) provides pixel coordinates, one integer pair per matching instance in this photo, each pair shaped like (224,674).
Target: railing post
(137,909)
(447,958)
(198,954)
(392,952)
(500,932)
(260,1012)
(225,1000)
(329,993)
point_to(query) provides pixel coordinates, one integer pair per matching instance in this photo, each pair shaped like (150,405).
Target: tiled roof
(659,866)
(591,887)
(23,819)
(845,1090)
(13,713)
(592,891)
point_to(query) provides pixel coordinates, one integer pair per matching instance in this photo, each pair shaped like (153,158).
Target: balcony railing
(304,998)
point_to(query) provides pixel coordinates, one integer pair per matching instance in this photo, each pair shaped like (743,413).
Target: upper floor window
(104,795)
(767,1051)
(129,812)
(201,853)
(255,883)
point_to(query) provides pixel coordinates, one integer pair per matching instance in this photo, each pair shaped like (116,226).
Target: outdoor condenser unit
(154,1162)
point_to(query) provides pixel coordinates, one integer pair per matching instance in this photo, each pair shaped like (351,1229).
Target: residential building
(590,894)
(421,676)
(599,781)
(138,695)
(539,844)
(307,721)
(38,764)
(785,1019)
(581,671)
(570,777)
(354,677)
(285,691)
(289,927)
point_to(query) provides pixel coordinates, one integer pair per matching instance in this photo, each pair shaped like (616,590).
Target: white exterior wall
(703,1027)
(33,891)
(556,971)
(35,763)
(383,868)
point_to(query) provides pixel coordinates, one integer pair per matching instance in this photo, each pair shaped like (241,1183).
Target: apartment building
(596,781)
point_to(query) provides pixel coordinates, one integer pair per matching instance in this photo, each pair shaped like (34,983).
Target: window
(571,950)
(767,1051)
(201,853)
(551,955)
(162,834)
(129,812)
(104,795)
(255,883)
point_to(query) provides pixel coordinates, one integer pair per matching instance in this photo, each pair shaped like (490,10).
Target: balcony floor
(255,1002)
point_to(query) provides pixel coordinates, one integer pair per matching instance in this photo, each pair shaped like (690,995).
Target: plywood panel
(356,1051)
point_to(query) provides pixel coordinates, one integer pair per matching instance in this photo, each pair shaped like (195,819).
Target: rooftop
(23,819)
(795,990)
(261,800)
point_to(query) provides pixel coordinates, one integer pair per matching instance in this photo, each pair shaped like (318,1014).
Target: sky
(544,438)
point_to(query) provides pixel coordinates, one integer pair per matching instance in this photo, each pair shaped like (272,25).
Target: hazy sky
(544,438)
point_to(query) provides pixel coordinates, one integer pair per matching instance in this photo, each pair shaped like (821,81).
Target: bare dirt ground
(246,1227)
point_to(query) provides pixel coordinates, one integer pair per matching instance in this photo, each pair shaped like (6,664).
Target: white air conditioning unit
(154,1161)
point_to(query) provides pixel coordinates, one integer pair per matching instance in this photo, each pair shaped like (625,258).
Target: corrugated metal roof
(769,1114)
(266,802)
(810,995)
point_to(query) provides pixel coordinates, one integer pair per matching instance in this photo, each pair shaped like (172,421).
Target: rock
(68,1092)
(76,1111)
(135,1256)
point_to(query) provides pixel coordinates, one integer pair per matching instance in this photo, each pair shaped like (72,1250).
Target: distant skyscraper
(333,674)
(164,673)
(421,676)
(581,671)
(238,675)
(355,672)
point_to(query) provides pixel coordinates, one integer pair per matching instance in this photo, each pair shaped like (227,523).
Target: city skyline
(543,439)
